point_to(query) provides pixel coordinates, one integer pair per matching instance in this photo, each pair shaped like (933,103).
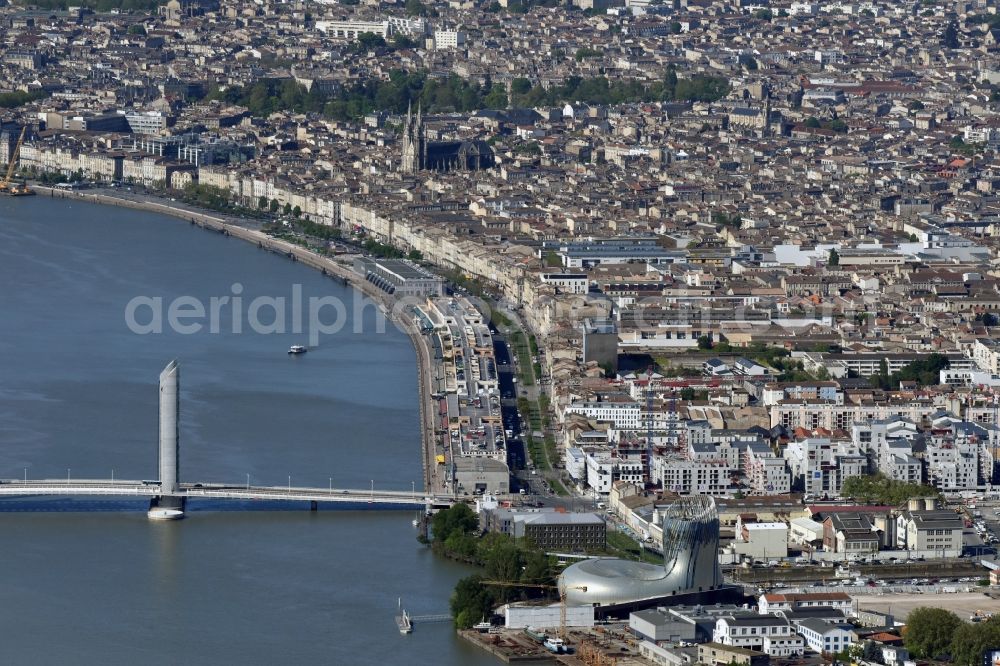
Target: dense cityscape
(702,291)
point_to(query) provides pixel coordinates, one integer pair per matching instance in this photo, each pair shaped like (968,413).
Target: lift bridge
(168,495)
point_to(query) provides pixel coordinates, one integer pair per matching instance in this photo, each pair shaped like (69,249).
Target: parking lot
(900,605)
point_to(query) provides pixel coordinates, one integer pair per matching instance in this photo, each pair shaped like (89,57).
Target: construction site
(607,645)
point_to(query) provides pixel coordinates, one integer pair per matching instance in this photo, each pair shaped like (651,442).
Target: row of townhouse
(249,189)
(503,266)
(106,166)
(157,171)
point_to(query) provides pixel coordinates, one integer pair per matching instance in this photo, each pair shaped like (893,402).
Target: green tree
(415,8)
(834,258)
(296,211)
(520,86)
(369,41)
(813,122)
(401,41)
(705,342)
(504,562)
(18,98)
(925,371)
(262,203)
(950,39)
(287,210)
(670,82)
(725,220)
(274,205)
(929,631)
(702,88)
(457,519)
(471,601)
(137,29)
(496,98)
(972,640)
(537,567)
(880,489)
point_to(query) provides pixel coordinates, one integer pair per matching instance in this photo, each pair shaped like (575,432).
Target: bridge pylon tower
(169,505)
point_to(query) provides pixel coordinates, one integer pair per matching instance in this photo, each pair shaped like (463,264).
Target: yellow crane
(5,186)
(540,586)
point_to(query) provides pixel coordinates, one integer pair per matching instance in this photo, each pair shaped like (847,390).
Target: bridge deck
(132,488)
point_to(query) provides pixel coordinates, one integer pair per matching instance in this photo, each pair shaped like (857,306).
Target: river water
(78,399)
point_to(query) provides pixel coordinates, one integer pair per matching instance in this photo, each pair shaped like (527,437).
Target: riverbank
(340,270)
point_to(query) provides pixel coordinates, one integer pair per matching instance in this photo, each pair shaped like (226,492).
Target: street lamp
(372,500)
(68,475)
(289,483)
(248,481)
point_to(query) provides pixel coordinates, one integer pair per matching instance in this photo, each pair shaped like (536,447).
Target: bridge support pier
(166,508)
(314,505)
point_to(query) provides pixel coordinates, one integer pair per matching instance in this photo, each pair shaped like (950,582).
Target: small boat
(554,645)
(482,627)
(297,349)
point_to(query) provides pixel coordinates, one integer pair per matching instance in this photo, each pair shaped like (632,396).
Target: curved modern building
(690,564)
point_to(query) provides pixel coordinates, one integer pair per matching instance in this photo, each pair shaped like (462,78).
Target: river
(78,399)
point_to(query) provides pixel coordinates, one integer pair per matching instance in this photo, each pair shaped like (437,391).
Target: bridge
(127,488)
(168,495)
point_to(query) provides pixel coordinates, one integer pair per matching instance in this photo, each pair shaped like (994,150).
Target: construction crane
(541,586)
(5,185)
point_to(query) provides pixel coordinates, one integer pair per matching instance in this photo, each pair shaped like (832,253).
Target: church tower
(765,128)
(414,148)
